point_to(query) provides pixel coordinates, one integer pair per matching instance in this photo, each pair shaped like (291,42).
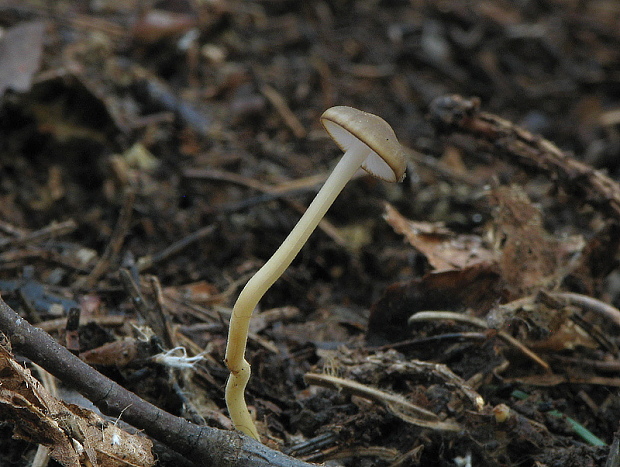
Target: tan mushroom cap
(347,125)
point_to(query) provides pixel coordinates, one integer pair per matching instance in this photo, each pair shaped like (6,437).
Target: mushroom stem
(256,287)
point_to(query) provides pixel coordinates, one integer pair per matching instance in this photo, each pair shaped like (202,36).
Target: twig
(503,138)
(155,320)
(397,404)
(39,254)
(161,312)
(440,169)
(270,193)
(311,445)
(598,365)
(12,230)
(429,340)
(55,229)
(554,379)
(378,452)
(224,176)
(290,119)
(461,318)
(145,262)
(591,304)
(114,246)
(202,444)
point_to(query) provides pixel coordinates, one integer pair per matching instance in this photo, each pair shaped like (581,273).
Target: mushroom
(369,142)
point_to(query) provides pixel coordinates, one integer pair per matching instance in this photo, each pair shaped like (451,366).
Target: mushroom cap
(347,125)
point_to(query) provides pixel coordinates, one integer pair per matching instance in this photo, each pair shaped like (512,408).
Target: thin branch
(202,444)
(114,246)
(269,193)
(282,107)
(55,229)
(591,304)
(462,318)
(397,404)
(454,113)
(146,262)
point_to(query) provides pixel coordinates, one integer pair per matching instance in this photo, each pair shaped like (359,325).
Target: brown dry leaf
(118,353)
(75,436)
(529,258)
(444,250)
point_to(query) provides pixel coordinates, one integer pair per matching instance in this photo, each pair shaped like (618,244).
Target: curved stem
(256,287)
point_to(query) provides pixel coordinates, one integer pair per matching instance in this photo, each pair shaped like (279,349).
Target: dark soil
(128,128)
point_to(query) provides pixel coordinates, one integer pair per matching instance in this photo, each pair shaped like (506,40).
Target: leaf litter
(152,160)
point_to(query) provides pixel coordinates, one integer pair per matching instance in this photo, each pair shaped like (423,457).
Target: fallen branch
(202,444)
(454,113)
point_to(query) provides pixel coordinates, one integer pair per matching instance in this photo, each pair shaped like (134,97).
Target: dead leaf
(529,258)
(118,353)
(444,250)
(75,436)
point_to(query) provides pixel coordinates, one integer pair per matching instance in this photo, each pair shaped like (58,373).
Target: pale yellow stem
(256,287)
